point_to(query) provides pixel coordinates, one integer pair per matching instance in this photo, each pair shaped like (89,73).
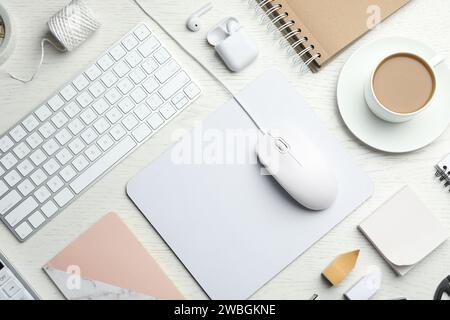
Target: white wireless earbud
(194,22)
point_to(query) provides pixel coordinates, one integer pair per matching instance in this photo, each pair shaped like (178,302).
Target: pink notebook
(108,262)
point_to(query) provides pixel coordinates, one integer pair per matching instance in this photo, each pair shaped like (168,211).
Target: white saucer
(377,133)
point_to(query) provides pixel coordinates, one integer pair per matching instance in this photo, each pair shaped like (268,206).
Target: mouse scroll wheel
(281,145)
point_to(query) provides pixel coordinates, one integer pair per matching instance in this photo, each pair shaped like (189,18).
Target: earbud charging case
(235,47)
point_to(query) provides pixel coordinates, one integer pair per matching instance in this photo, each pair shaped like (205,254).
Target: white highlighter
(365,288)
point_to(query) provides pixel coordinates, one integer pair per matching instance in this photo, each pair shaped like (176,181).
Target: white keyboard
(12,286)
(59,150)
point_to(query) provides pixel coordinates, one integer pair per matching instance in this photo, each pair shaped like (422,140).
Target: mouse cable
(201,64)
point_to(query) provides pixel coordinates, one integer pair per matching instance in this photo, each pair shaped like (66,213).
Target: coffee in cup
(401,86)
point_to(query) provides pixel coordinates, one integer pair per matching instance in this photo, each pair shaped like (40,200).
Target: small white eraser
(365,288)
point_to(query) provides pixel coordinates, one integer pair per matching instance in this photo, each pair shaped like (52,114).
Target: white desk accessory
(377,133)
(12,285)
(232,44)
(233,228)
(366,287)
(404,231)
(8,42)
(87,127)
(194,22)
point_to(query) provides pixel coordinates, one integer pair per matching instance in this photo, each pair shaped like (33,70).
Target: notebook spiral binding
(291,39)
(443,171)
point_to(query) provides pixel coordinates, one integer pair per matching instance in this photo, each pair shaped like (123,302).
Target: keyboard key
(25,167)
(38,157)
(109,79)
(72,109)
(55,183)
(114,115)
(43,113)
(105,142)
(101,125)
(141,132)
(68,92)
(192,90)
(47,129)
(93,72)
(162,55)
(38,177)
(125,85)
(34,140)
(9,201)
(142,111)
(12,178)
(133,59)
(51,146)
(84,99)
(149,46)
(21,150)
(88,116)
(49,209)
(104,163)
(150,65)
(173,85)
(165,72)
(76,126)
(80,82)
(97,89)
(55,103)
(101,106)
(59,120)
(3,188)
(63,197)
(155,121)
(80,162)
(77,145)
(167,111)
(21,211)
(11,288)
(63,136)
(150,85)
(138,95)
(6,143)
(118,52)
(24,230)
(64,156)
(89,135)
(25,187)
(105,62)
(30,123)
(51,166)
(126,105)
(130,122)
(118,132)
(113,96)
(8,161)
(142,32)
(93,152)
(121,69)
(137,75)
(129,42)
(18,133)
(180,101)
(36,219)
(42,194)
(68,173)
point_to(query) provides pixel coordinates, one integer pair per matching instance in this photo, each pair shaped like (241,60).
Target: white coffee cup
(385,113)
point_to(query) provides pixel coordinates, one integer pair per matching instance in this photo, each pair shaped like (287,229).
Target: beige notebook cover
(108,263)
(329,25)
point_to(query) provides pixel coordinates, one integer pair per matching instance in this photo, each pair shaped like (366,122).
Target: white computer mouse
(299,167)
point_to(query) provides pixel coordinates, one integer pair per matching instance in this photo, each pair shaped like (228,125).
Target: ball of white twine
(71,27)
(73,24)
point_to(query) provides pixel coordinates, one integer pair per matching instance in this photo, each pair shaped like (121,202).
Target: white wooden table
(422,19)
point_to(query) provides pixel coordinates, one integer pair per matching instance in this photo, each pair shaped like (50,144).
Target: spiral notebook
(317,30)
